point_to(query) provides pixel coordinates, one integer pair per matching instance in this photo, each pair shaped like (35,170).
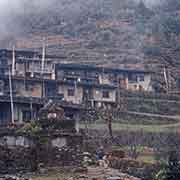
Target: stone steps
(101,173)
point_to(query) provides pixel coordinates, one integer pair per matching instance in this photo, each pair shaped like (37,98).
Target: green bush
(32,128)
(171,170)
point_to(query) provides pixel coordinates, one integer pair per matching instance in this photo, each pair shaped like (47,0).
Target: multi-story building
(27,109)
(35,78)
(130,79)
(88,94)
(27,64)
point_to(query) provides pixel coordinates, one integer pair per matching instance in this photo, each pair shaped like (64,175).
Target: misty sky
(11,8)
(16,4)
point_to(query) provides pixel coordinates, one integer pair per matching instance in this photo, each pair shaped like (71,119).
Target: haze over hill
(110,32)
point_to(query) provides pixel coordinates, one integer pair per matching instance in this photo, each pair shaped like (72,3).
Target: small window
(71,92)
(141,78)
(26,116)
(29,87)
(106,94)
(132,78)
(1,86)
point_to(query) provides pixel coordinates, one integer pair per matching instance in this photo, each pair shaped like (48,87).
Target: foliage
(171,170)
(32,128)
(134,150)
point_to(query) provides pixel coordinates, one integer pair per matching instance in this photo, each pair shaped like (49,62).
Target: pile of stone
(65,156)
(16,160)
(51,141)
(100,173)
(12,177)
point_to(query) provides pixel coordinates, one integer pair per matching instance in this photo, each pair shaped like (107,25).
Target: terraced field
(152,127)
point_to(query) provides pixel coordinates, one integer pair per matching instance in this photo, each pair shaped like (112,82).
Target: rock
(41,168)
(105,173)
(13,177)
(80,170)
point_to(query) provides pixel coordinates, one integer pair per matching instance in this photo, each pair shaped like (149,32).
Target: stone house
(129,79)
(27,64)
(75,84)
(26,109)
(29,95)
(94,95)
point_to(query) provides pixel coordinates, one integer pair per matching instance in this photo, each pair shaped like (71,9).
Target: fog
(12,11)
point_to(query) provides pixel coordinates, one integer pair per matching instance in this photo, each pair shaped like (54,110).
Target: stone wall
(25,153)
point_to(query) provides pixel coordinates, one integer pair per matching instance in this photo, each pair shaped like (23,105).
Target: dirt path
(154,115)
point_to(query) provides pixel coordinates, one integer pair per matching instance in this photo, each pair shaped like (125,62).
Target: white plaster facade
(140,85)
(77,98)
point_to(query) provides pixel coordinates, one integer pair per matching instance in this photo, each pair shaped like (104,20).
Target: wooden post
(11,97)
(43,56)
(42,66)
(166,80)
(13,61)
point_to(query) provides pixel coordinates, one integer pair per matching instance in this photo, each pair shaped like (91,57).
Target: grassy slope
(135,127)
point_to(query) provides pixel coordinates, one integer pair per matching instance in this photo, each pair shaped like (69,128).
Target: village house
(29,95)
(129,79)
(4,62)
(31,64)
(27,109)
(102,95)
(92,95)
(36,78)
(24,109)
(27,64)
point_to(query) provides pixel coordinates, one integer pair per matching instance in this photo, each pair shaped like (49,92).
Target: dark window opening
(106,94)
(27,66)
(178,83)
(71,92)
(50,91)
(26,116)
(132,78)
(141,78)
(3,117)
(88,94)
(29,87)
(1,87)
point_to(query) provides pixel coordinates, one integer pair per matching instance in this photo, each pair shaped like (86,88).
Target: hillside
(113,33)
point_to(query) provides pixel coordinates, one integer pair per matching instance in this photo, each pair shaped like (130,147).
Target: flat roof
(87,84)
(38,101)
(21,78)
(19,52)
(73,66)
(30,53)
(90,67)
